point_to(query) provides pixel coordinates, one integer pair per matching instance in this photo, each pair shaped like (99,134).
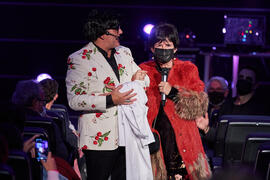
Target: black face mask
(216,98)
(243,87)
(163,55)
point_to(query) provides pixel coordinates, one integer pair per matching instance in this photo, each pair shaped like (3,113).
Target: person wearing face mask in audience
(217,90)
(173,118)
(247,102)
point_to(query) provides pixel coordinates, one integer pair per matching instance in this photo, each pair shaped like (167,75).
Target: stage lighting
(187,37)
(43,76)
(224,30)
(245,30)
(147,28)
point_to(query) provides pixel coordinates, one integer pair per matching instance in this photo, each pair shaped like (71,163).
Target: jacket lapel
(102,62)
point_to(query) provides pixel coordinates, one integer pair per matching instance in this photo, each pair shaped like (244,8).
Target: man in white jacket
(94,73)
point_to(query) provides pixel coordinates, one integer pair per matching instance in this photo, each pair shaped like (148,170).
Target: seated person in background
(12,126)
(50,89)
(217,90)
(247,101)
(30,97)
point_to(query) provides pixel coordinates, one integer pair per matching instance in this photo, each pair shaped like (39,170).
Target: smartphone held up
(41,148)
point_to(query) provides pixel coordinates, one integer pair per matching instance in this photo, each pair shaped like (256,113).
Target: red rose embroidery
(92,94)
(93,106)
(77,93)
(99,138)
(112,84)
(89,74)
(83,92)
(94,69)
(107,80)
(83,57)
(85,51)
(99,134)
(84,147)
(119,66)
(98,115)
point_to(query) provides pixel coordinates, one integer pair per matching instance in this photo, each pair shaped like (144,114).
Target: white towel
(135,134)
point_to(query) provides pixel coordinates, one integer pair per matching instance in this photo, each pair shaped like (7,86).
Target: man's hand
(164,87)
(122,98)
(139,75)
(202,123)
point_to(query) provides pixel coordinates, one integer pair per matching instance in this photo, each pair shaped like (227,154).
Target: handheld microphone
(164,78)
(110,34)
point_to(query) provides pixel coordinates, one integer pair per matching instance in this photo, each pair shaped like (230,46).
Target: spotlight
(147,28)
(43,76)
(224,30)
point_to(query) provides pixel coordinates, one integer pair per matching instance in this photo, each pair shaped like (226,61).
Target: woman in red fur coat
(174,118)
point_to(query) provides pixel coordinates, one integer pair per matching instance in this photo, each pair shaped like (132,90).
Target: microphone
(110,34)
(164,78)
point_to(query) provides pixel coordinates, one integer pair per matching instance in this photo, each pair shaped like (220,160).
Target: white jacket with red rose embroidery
(88,73)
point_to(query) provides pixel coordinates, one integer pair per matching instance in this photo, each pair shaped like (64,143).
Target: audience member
(50,89)
(30,97)
(51,168)
(248,101)
(217,90)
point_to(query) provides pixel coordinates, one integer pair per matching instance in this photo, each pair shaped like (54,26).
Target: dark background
(37,36)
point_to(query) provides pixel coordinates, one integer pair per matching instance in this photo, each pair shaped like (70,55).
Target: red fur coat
(183,74)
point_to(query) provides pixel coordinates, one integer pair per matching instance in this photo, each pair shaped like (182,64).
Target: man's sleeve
(79,94)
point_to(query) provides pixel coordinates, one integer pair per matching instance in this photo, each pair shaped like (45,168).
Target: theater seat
(6,172)
(261,166)
(44,123)
(232,132)
(29,132)
(252,144)
(20,163)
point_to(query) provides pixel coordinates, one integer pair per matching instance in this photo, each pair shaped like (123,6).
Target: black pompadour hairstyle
(162,31)
(99,22)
